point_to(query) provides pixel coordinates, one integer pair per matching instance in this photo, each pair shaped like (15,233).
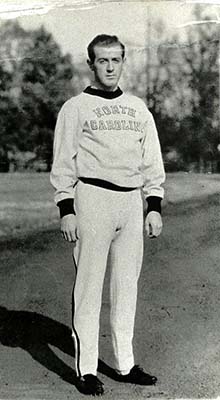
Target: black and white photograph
(109,199)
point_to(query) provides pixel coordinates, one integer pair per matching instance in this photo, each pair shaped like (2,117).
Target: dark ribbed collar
(102,93)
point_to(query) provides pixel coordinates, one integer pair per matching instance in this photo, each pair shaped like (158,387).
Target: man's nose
(110,66)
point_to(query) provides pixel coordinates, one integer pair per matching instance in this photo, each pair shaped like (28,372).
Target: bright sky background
(74,23)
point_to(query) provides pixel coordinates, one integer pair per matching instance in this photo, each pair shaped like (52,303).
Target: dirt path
(178,318)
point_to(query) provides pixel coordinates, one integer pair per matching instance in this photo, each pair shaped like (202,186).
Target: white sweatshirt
(109,136)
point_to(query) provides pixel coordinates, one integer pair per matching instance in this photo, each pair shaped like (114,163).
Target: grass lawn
(26,200)
(26,203)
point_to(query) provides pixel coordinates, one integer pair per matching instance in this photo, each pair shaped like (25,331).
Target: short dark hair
(105,40)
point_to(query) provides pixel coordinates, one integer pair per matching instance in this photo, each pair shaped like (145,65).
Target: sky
(74,23)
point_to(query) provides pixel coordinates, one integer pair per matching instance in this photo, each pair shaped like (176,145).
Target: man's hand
(68,228)
(153,224)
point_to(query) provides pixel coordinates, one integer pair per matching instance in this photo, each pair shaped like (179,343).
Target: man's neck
(97,86)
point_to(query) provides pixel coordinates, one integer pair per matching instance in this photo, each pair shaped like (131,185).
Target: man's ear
(90,64)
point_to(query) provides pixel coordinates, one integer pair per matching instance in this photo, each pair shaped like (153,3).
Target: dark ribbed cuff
(66,207)
(154,204)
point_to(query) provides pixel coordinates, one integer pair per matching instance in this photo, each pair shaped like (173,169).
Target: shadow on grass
(35,333)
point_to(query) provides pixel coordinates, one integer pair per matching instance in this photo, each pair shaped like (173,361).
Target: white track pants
(109,223)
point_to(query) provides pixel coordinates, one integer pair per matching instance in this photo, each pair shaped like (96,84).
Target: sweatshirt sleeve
(63,175)
(152,165)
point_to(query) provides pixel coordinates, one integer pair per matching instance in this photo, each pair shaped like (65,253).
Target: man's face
(107,66)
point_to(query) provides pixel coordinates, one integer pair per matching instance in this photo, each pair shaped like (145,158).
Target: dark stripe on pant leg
(73,327)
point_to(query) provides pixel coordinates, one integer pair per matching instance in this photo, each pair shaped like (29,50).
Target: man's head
(105,41)
(106,58)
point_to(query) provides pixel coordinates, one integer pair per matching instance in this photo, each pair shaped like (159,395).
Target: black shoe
(138,376)
(90,384)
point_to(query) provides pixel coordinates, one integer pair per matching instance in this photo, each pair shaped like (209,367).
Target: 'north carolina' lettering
(116,109)
(115,125)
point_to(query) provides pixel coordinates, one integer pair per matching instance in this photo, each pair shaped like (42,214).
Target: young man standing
(106,151)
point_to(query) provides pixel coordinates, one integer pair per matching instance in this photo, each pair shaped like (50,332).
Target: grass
(187,186)
(26,201)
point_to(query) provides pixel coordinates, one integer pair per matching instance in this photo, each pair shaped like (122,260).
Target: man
(106,151)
